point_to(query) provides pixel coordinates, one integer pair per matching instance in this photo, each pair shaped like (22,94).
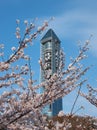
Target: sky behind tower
(75,20)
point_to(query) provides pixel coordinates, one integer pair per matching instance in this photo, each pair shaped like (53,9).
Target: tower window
(47,56)
(48,45)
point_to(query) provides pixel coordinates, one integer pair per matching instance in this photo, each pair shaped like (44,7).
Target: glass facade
(50,51)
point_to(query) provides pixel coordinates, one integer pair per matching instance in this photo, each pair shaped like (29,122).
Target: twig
(75,100)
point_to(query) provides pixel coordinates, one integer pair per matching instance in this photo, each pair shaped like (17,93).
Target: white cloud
(78,25)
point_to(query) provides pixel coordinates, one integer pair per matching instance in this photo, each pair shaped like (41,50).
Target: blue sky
(74,20)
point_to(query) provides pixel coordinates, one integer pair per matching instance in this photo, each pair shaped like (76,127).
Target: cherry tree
(20,104)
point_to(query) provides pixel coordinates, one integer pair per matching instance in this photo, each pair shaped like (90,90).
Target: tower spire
(49,35)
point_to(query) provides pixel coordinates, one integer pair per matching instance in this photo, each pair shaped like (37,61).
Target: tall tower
(50,51)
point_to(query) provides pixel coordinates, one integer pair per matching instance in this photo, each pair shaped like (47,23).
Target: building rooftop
(50,34)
